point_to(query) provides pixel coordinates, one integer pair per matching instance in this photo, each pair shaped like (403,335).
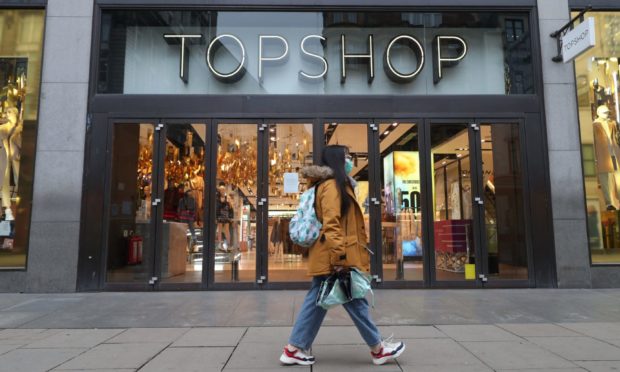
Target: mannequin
(15,142)
(607,151)
(7,130)
(187,210)
(223,218)
(197,183)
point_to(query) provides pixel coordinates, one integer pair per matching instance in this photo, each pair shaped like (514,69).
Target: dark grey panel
(282,4)
(22,3)
(149,106)
(596,4)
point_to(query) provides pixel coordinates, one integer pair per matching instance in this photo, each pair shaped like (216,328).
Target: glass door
(456,250)
(235,211)
(401,257)
(180,217)
(501,190)
(478,204)
(131,209)
(290,148)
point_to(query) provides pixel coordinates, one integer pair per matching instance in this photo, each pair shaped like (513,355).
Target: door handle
(156,202)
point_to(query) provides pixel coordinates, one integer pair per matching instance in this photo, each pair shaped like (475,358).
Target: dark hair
(333,156)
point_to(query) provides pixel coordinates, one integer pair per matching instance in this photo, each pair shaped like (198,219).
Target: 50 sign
(447,51)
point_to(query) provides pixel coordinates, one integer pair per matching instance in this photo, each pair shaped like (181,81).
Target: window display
(598,85)
(21,42)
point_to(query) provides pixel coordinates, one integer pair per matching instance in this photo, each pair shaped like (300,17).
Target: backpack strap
(316,194)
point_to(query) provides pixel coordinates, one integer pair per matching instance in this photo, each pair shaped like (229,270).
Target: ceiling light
(394,124)
(386,132)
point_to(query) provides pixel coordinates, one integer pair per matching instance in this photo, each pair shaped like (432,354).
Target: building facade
(156,145)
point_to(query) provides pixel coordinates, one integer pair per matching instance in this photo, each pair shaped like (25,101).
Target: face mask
(348,166)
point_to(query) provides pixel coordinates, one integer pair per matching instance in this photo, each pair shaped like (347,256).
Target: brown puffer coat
(343,238)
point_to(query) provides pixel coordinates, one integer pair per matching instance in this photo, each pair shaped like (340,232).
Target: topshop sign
(447,51)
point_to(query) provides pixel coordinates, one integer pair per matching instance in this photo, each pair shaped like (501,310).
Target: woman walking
(341,245)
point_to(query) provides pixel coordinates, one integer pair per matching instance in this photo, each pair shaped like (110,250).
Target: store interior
(180,241)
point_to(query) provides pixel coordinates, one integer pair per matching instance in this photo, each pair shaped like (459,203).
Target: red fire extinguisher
(134,248)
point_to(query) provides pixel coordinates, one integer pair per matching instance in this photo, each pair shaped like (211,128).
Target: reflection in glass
(290,149)
(598,87)
(401,212)
(181,235)
(21,41)
(130,257)
(452,207)
(235,204)
(502,179)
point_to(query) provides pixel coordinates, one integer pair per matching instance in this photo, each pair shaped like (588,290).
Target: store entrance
(201,204)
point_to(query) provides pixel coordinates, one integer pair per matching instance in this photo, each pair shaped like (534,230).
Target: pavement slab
(347,358)
(515,355)
(212,336)
(7,347)
(278,335)
(478,332)
(256,356)
(538,330)
(189,359)
(601,366)
(603,331)
(138,335)
(437,352)
(26,335)
(445,368)
(578,348)
(35,360)
(75,338)
(116,356)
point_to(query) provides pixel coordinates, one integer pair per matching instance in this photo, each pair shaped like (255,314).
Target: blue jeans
(311,316)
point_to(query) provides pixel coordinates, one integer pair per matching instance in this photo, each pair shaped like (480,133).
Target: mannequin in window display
(607,151)
(7,130)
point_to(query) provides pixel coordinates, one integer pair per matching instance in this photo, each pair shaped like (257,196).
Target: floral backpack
(305,227)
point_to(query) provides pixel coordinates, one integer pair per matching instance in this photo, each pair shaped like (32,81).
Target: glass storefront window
(21,41)
(598,85)
(224,52)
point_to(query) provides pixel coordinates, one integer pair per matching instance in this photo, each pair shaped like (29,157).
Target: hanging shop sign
(578,40)
(447,51)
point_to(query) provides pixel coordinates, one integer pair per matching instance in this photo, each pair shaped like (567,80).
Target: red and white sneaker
(289,357)
(389,350)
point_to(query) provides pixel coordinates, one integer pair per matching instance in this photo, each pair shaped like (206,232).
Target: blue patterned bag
(305,227)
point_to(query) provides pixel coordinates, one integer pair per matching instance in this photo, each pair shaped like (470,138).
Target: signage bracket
(569,26)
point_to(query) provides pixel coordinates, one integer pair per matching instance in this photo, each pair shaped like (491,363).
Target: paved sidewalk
(484,330)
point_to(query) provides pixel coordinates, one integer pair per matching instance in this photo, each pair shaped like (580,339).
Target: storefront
(598,84)
(201,118)
(21,43)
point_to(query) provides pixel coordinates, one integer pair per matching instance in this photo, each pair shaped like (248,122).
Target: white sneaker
(289,357)
(389,350)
